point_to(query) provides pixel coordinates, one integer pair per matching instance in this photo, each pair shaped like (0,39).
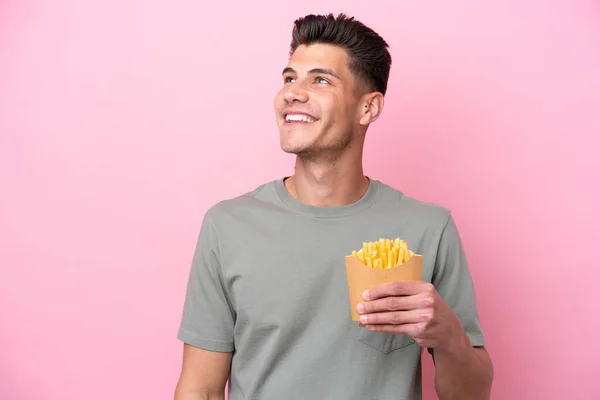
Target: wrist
(456,345)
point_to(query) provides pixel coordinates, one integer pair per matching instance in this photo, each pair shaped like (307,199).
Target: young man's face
(318,107)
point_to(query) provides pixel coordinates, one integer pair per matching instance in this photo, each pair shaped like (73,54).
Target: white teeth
(299,117)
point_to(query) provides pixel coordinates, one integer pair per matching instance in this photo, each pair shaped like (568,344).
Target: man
(267,303)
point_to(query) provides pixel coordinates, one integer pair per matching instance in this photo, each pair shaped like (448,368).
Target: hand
(414,308)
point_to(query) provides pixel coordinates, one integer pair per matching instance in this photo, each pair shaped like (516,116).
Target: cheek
(278,101)
(337,108)
(330,108)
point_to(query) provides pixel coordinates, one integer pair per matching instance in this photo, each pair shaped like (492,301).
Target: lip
(287,112)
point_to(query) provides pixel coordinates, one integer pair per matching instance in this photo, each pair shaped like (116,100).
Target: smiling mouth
(299,118)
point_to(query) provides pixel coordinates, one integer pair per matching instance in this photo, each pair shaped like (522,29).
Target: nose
(295,93)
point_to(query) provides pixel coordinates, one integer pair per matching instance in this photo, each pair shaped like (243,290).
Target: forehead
(320,56)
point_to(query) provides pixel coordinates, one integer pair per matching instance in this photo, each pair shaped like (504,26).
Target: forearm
(463,372)
(190,394)
(203,375)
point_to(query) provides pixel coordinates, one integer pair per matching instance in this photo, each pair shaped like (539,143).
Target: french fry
(384,253)
(374,263)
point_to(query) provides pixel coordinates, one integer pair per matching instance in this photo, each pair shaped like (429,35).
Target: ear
(371,108)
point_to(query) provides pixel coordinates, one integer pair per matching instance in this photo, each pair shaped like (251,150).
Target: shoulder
(246,203)
(392,201)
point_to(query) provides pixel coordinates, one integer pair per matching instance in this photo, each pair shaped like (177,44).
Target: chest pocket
(383,341)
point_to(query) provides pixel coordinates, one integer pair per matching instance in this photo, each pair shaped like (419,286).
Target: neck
(328,183)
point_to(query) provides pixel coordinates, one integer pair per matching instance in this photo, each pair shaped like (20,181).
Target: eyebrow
(324,71)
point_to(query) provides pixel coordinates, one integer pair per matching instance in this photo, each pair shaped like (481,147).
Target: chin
(291,144)
(292,149)
(298,139)
(294,146)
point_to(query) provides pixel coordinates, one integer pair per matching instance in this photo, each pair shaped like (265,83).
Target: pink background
(114,118)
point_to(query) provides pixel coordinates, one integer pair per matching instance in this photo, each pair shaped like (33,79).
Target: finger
(397,288)
(393,303)
(396,317)
(408,329)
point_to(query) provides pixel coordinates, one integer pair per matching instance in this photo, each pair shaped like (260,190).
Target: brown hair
(370,60)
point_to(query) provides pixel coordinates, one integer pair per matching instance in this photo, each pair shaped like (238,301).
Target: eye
(321,80)
(288,79)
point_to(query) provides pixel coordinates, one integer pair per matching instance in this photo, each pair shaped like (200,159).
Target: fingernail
(360,307)
(365,295)
(363,319)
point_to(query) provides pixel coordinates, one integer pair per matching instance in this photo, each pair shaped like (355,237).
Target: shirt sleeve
(208,318)
(452,279)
